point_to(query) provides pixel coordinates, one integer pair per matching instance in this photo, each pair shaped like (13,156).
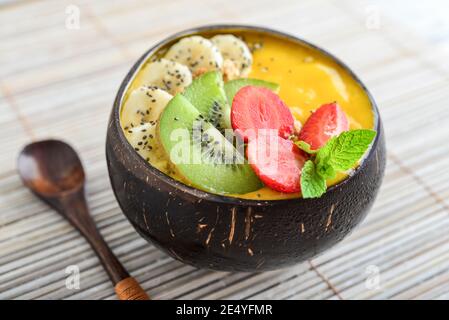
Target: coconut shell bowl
(225,233)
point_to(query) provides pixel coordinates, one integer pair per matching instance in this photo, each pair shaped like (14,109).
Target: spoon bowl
(51,167)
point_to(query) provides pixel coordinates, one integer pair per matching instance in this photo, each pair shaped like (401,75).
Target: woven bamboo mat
(56,81)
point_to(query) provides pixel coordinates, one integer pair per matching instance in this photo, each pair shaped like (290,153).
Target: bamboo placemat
(60,82)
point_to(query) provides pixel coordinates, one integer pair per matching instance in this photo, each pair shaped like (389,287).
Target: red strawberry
(255,108)
(327,121)
(277,162)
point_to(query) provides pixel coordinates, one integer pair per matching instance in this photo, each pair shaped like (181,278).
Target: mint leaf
(312,184)
(340,153)
(325,170)
(343,152)
(304,146)
(322,161)
(349,147)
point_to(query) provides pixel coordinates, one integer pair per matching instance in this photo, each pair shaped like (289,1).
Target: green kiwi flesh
(207,94)
(201,153)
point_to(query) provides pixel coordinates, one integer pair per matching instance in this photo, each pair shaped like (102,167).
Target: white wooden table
(59,81)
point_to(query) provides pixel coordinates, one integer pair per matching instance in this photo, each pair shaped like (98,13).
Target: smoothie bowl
(243,148)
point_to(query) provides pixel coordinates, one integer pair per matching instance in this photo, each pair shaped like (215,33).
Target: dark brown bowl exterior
(224,233)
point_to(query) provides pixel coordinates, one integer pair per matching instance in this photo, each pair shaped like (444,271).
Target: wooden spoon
(53,171)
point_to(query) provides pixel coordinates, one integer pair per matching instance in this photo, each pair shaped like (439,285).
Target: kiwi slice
(201,153)
(207,94)
(231,87)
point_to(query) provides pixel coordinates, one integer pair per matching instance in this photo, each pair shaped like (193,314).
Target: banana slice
(169,75)
(144,104)
(196,52)
(143,139)
(235,50)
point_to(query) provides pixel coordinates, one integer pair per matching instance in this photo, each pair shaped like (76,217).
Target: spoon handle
(74,208)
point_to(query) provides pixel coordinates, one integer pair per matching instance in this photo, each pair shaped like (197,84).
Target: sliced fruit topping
(236,55)
(278,162)
(144,104)
(255,108)
(207,94)
(233,86)
(196,52)
(143,139)
(169,75)
(201,153)
(327,121)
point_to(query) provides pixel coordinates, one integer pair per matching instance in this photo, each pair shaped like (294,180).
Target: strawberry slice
(255,108)
(327,121)
(278,162)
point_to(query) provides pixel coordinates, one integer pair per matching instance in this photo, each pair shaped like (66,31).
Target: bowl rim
(115,116)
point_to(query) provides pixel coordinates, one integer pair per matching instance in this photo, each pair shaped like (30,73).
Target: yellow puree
(307,80)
